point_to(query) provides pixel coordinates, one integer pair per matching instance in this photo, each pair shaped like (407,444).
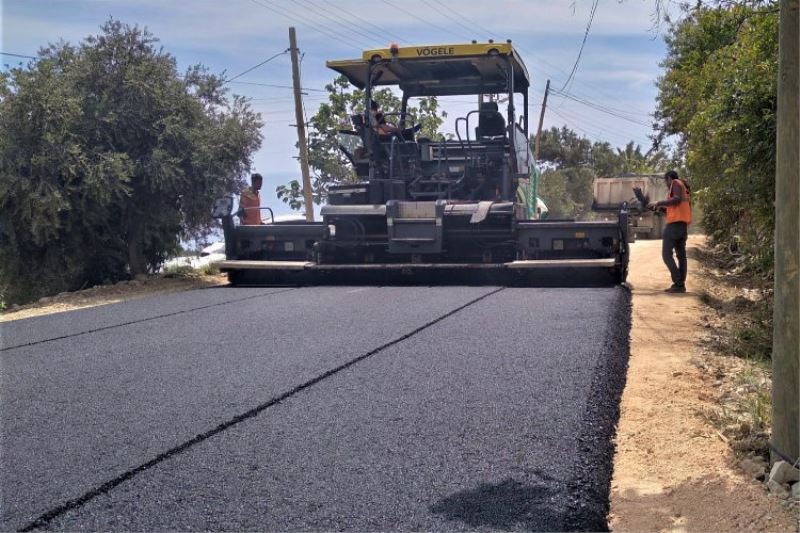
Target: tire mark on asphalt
(8,348)
(48,516)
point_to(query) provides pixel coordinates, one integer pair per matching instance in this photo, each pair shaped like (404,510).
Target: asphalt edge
(588,490)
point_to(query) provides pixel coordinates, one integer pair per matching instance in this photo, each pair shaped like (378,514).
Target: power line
(576,124)
(524,50)
(17,55)
(287,98)
(583,100)
(574,119)
(629,111)
(472,24)
(332,34)
(279,86)
(603,109)
(468,28)
(432,25)
(583,43)
(256,66)
(337,19)
(372,23)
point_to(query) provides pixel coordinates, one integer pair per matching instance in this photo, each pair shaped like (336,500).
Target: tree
(567,192)
(574,162)
(564,148)
(108,157)
(718,97)
(328,163)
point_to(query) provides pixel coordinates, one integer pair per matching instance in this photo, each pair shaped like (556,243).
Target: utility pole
(308,198)
(541,121)
(786,318)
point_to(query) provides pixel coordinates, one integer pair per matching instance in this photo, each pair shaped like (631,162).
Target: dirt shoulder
(673,470)
(109,294)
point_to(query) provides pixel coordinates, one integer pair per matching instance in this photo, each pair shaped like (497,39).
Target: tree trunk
(136,262)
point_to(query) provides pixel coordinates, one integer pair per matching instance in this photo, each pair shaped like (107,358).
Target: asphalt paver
(497,417)
(95,403)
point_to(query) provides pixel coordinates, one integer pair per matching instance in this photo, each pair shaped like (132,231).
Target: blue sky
(618,68)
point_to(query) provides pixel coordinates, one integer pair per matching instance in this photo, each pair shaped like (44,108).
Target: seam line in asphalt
(34,343)
(48,516)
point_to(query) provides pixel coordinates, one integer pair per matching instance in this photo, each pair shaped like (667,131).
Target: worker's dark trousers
(674,238)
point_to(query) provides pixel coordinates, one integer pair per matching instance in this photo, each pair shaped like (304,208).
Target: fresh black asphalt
(327,408)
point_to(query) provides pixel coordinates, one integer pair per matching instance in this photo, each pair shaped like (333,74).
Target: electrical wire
(470,30)
(599,133)
(577,117)
(471,23)
(279,86)
(372,23)
(280,99)
(583,44)
(337,19)
(330,33)
(23,56)
(279,54)
(411,14)
(593,135)
(603,109)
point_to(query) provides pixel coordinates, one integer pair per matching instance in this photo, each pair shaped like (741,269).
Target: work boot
(676,288)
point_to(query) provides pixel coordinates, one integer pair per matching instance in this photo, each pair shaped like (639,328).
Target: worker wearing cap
(250,202)
(679,215)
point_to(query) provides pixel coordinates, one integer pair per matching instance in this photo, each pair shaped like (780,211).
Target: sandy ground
(673,470)
(109,294)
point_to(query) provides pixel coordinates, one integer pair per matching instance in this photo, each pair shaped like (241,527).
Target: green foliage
(565,191)
(292,194)
(208,270)
(718,95)
(108,157)
(180,272)
(572,162)
(328,163)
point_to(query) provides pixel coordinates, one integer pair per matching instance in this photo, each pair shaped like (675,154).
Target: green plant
(209,270)
(180,271)
(717,97)
(108,158)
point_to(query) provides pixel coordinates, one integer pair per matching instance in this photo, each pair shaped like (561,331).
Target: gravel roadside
(673,471)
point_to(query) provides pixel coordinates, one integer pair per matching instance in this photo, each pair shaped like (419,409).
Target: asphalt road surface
(320,408)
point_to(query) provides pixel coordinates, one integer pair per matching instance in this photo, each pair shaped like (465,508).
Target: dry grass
(737,344)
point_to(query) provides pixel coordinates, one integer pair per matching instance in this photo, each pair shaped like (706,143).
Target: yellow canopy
(439,70)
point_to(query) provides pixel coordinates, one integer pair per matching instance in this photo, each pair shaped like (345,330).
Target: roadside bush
(108,157)
(718,97)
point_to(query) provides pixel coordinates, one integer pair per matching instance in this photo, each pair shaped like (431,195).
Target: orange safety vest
(683,211)
(250,201)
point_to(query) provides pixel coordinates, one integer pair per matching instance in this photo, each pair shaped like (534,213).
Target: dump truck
(611,193)
(433,210)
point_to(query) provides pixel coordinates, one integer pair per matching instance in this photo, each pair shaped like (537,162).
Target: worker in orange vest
(679,215)
(250,202)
